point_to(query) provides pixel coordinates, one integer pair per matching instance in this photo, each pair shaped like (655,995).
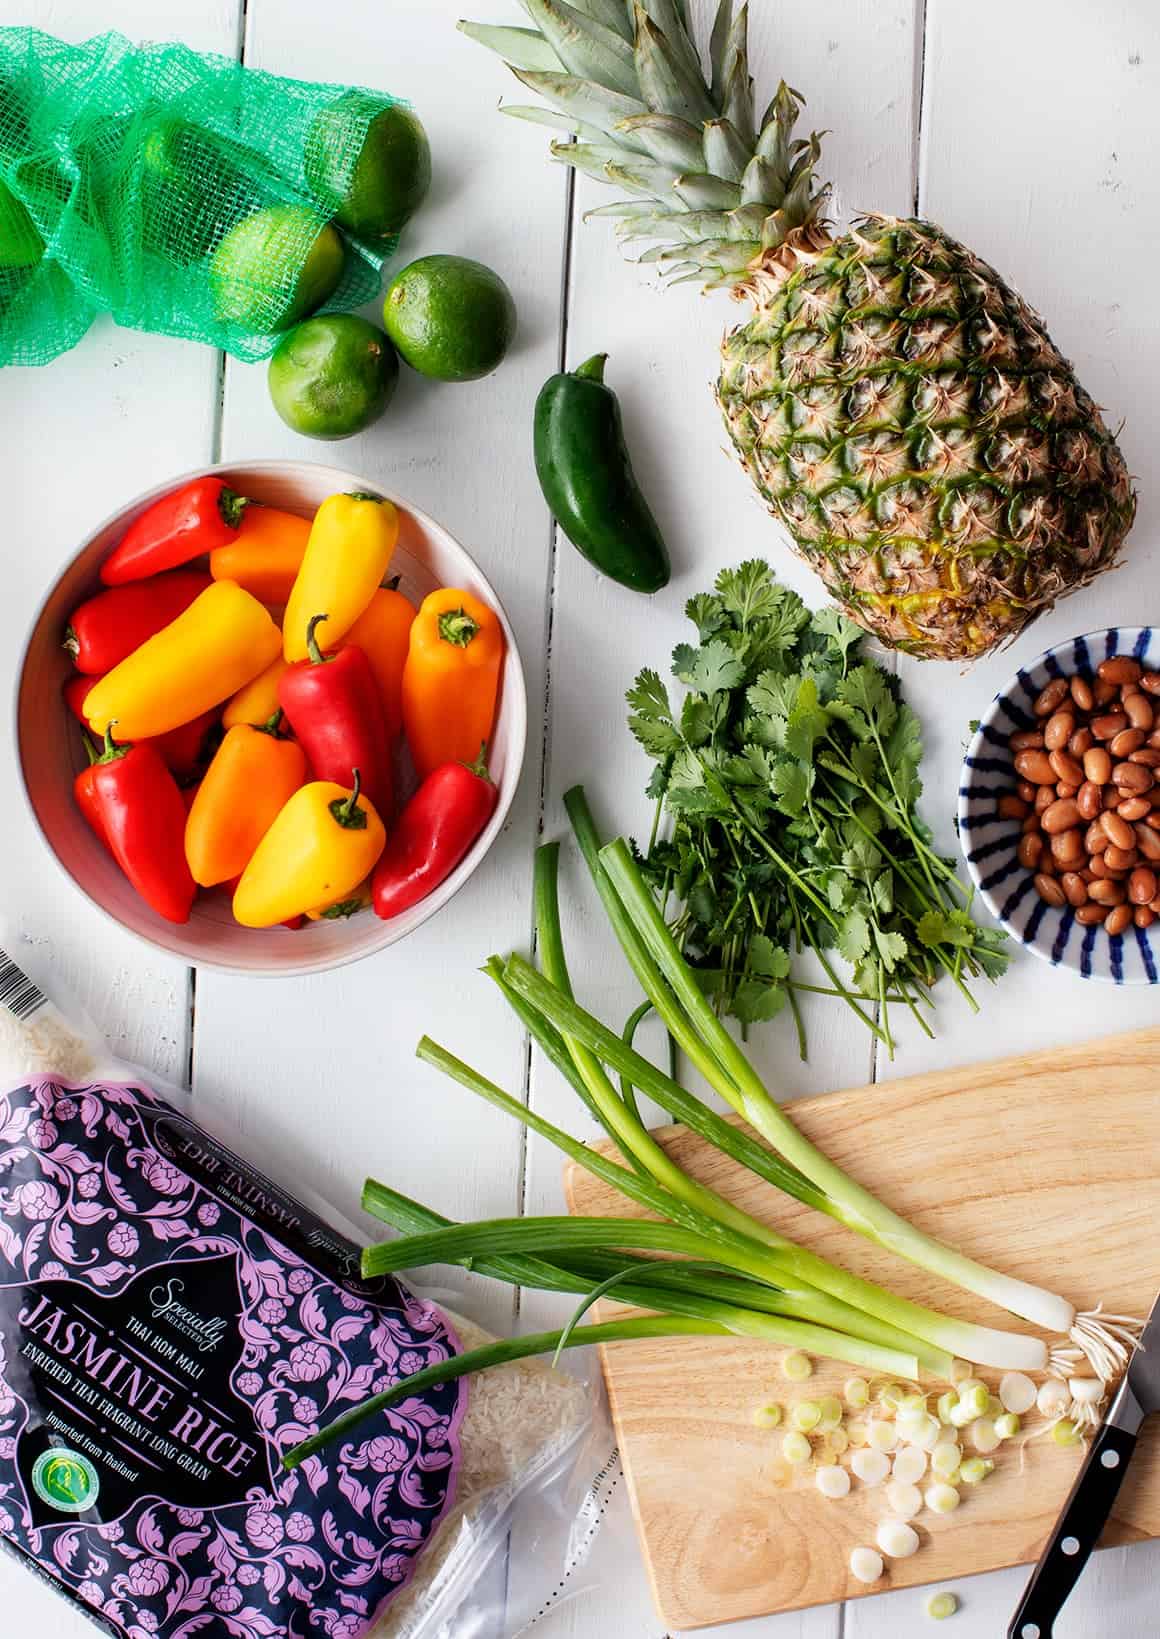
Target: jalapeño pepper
(586,475)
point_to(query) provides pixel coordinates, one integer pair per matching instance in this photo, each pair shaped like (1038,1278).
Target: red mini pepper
(85,795)
(435,830)
(333,704)
(196,518)
(141,809)
(107,628)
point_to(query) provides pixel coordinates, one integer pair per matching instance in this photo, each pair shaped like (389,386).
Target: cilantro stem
(799,1026)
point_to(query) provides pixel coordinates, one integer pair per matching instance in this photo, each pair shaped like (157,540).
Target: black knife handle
(1076,1533)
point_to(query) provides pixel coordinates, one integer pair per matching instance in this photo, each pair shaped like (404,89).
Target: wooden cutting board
(1046,1166)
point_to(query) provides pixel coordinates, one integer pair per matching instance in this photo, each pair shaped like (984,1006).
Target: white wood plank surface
(1038,127)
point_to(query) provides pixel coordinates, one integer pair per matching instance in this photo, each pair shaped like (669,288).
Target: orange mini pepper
(383,633)
(265,555)
(451,679)
(257,701)
(249,782)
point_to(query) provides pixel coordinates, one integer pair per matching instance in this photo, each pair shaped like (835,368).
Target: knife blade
(1093,1496)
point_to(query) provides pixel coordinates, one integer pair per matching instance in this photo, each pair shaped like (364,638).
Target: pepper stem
(456,626)
(362,495)
(271,725)
(347,811)
(592,369)
(110,751)
(479,766)
(317,657)
(232,507)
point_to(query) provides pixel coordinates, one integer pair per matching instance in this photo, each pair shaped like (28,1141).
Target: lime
(195,187)
(252,271)
(450,317)
(20,243)
(333,375)
(372,192)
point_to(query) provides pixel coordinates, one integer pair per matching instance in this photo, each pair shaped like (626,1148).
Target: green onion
(734,1077)
(952,1336)
(495,1354)
(767,1416)
(806,1416)
(941,1605)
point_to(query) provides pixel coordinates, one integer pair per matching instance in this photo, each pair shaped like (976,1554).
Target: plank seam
(546,732)
(919,95)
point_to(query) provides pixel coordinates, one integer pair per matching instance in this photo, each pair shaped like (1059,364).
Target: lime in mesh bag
(177,191)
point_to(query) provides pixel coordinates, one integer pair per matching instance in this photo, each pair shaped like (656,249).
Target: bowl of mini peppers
(270,718)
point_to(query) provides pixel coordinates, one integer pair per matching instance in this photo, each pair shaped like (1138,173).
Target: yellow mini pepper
(222,640)
(359,900)
(351,542)
(451,679)
(257,701)
(324,842)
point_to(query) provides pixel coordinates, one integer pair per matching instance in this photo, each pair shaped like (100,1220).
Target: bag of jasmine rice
(172,1322)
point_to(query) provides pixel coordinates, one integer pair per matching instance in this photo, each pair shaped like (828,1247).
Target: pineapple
(901,409)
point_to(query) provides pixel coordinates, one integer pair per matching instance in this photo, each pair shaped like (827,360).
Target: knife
(1094,1493)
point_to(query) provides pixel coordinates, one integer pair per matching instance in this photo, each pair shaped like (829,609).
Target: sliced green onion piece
(994,1406)
(797,1366)
(883,1436)
(795,1448)
(857,1393)
(904,1498)
(1017,1392)
(870,1466)
(832,1481)
(945,1457)
(837,1441)
(941,1498)
(941,1605)
(831,1410)
(866,1565)
(946,1406)
(896,1539)
(806,1416)
(1065,1433)
(984,1436)
(1007,1425)
(767,1416)
(909,1464)
(975,1469)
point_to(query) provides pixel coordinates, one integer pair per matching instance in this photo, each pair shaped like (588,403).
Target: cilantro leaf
(840,633)
(766,959)
(708,669)
(749,592)
(651,715)
(943,928)
(853,936)
(892,948)
(754,1001)
(790,783)
(707,614)
(904,754)
(867,689)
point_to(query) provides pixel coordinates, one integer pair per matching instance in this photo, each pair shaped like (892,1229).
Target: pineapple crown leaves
(716,190)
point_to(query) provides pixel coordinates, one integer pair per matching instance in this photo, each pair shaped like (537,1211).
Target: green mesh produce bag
(169,189)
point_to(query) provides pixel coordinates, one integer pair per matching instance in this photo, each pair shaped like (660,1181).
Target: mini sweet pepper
(451,679)
(253,775)
(221,641)
(323,844)
(351,542)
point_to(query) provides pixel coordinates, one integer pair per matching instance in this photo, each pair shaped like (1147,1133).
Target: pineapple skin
(908,418)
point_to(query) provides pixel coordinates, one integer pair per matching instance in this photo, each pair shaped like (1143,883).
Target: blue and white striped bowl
(989,843)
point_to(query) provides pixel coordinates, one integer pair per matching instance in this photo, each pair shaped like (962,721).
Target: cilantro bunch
(789,771)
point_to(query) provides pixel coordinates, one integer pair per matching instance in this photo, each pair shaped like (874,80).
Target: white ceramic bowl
(50,751)
(989,843)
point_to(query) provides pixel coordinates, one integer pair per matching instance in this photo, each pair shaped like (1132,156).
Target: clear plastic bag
(98,1163)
